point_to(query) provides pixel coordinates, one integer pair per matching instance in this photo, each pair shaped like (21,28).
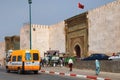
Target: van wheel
(19,71)
(7,70)
(35,72)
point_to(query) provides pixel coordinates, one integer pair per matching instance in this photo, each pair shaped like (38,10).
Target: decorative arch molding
(77,50)
(77,45)
(77,35)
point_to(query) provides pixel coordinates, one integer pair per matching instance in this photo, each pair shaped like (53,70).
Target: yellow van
(24,60)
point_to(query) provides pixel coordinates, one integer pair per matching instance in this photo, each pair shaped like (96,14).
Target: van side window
(14,58)
(35,56)
(28,56)
(19,58)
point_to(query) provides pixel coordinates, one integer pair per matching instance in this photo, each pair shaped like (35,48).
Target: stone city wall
(2,53)
(24,37)
(90,65)
(57,37)
(40,38)
(12,42)
(104,28)
(44,37)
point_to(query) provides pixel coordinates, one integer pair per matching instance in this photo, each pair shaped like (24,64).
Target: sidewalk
(81,73)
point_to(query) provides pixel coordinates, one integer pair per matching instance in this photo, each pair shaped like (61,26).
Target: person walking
(97,64)
(70,63)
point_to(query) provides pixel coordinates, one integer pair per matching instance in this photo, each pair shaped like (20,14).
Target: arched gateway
(77,51)
(77,35)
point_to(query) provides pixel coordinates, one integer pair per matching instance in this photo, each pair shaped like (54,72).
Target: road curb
(74,75)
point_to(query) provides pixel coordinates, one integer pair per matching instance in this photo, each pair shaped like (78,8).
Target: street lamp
(30,2)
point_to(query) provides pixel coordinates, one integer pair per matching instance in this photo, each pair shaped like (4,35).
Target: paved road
(31,76)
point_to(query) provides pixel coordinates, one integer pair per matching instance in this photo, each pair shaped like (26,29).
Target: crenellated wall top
(40,26)
(107,6)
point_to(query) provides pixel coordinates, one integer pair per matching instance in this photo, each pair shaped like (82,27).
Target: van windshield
(28,56)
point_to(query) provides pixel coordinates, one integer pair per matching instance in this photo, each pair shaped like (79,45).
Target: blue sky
(14,13)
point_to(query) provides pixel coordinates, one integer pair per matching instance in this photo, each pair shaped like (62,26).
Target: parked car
(98,56)
(115,57)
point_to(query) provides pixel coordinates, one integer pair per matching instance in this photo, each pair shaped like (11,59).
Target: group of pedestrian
(70,63)
(54,61)
(97,65)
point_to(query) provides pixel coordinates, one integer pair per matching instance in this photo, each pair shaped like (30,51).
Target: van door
(19,61)
(36,61)
(28,61)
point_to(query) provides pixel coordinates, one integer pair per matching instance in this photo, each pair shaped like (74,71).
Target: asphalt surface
(84,73)
(31,76)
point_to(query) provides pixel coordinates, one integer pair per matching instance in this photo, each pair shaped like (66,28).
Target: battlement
(108,6)
(40,26)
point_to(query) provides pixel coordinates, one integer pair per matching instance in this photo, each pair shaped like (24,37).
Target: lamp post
(30,2)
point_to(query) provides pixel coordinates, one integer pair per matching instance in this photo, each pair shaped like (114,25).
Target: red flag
(80,6)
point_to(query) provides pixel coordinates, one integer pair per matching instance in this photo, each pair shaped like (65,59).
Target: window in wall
(33,29)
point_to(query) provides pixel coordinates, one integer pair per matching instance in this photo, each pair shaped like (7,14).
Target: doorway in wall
(77,51)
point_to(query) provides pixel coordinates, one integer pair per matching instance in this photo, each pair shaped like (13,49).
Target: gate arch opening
(77,51)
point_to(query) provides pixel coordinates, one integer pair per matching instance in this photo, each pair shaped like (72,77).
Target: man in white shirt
(70,63)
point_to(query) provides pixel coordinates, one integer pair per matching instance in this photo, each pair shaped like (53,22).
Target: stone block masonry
(2,53)
(104,28)
(44,37)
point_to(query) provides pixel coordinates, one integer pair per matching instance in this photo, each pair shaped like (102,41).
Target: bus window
(35,56)
(28,56)
(19,58)
(14,58)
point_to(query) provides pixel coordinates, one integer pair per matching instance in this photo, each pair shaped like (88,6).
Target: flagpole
(30,2)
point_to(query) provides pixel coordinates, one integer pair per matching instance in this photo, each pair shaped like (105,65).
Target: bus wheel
(35,72)
(19,71)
